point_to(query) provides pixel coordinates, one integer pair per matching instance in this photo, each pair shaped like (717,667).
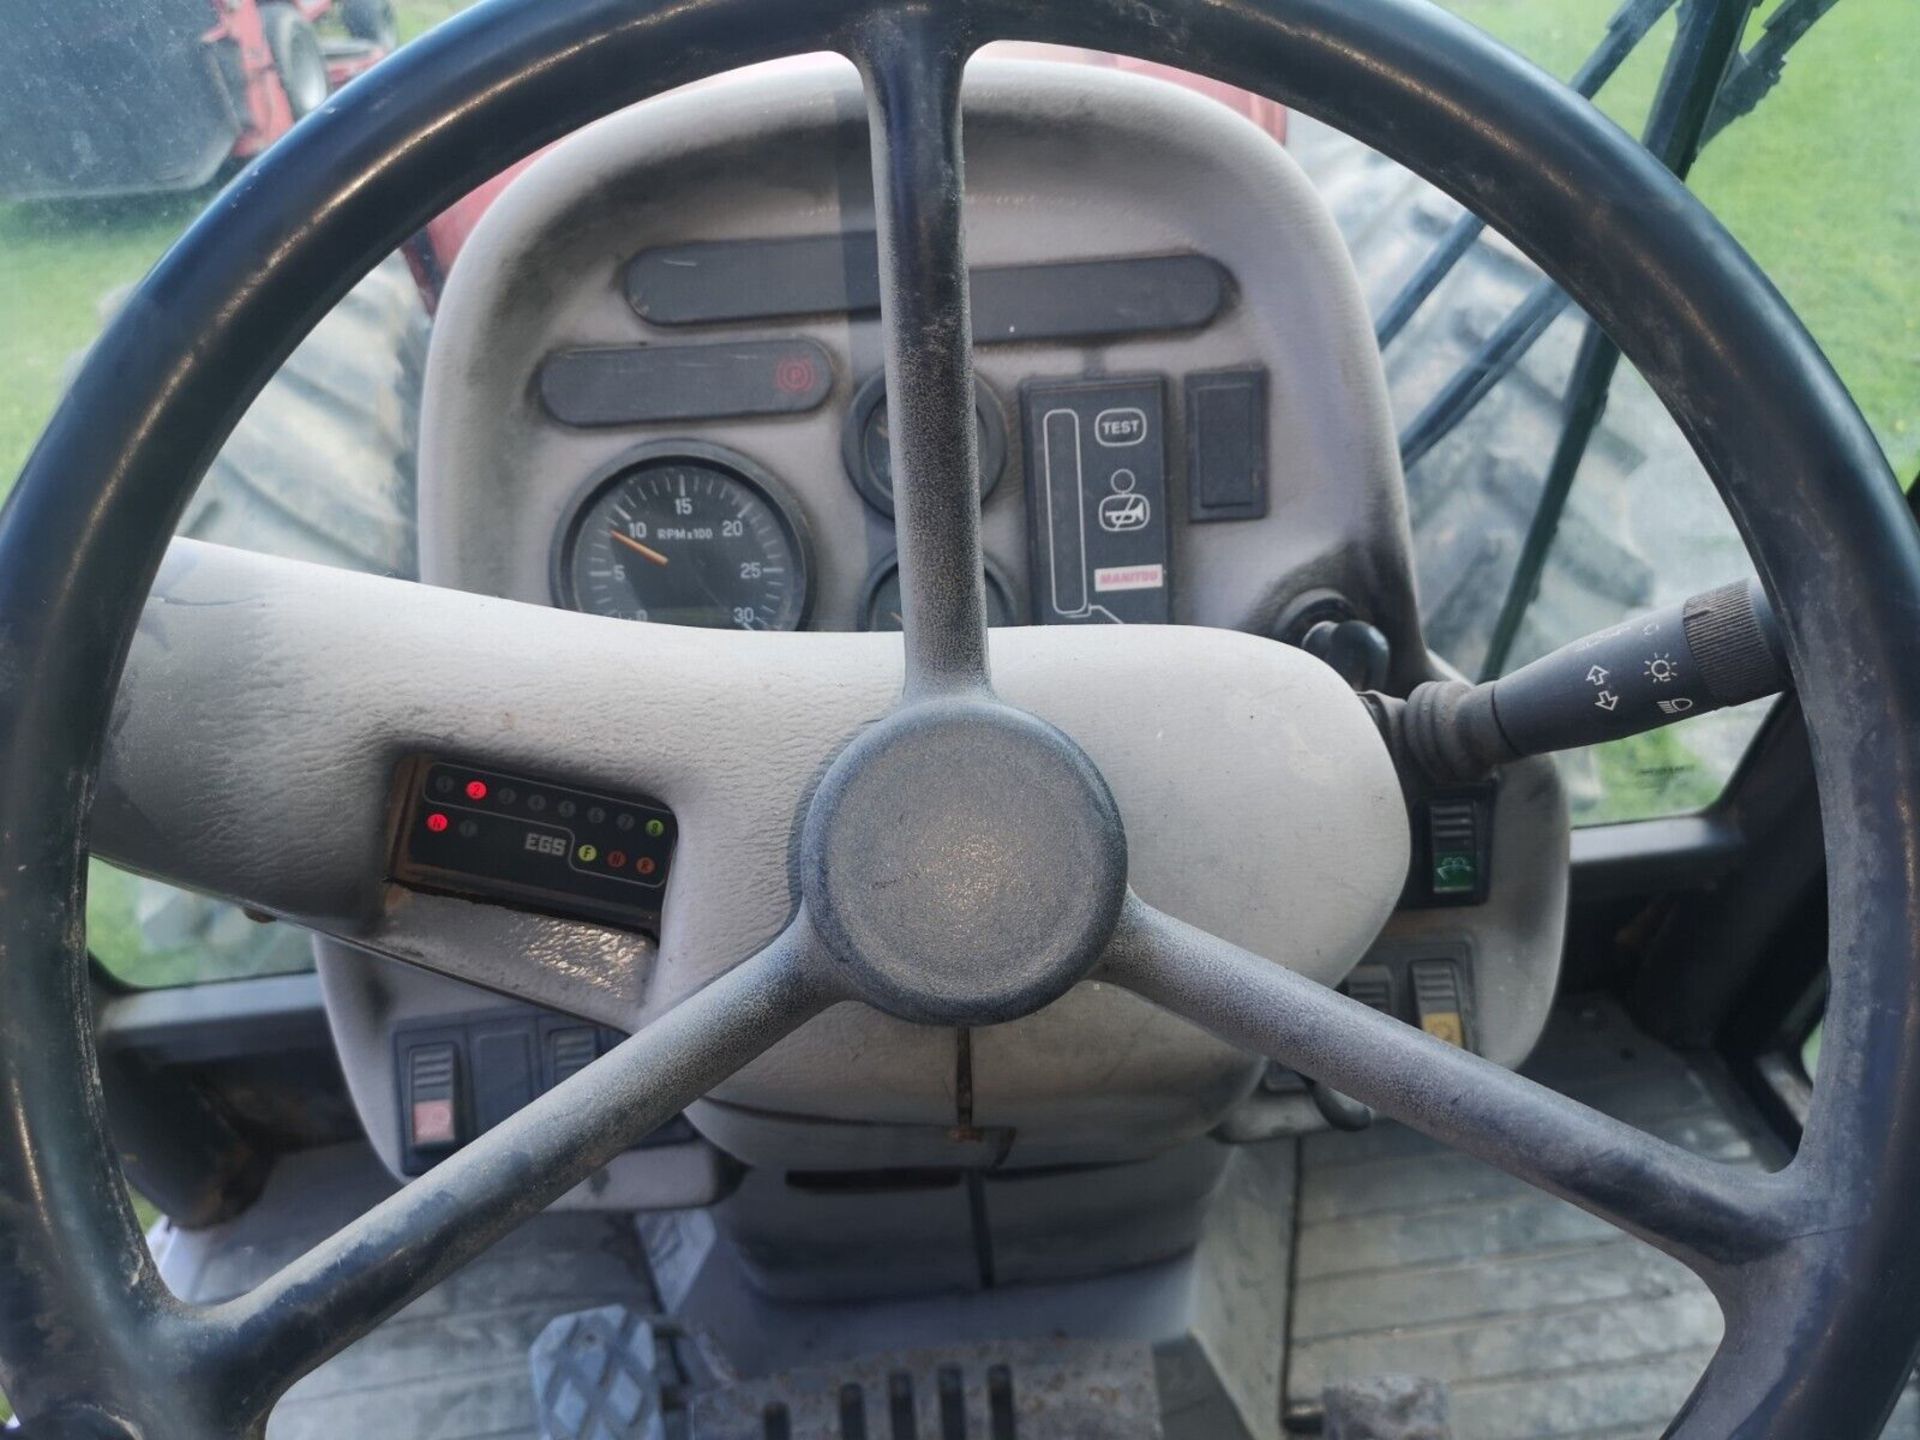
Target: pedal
(596,1377)
(1022,1390)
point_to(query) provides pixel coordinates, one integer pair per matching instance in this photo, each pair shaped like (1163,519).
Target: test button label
(1123,425)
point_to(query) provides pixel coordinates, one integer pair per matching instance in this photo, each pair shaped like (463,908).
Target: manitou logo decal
(1130,577)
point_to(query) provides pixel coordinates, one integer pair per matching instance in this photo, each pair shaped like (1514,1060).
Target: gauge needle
(634,545)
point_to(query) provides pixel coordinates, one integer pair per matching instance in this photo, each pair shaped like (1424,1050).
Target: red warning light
(436,822)
(795,375)
(476,789)
(617,859)
(645,865)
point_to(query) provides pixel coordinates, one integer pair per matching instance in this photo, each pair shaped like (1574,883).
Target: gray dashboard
(1067,165)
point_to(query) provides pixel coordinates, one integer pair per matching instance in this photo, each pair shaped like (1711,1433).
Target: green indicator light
(1454,873)
(656,828)
(588,854)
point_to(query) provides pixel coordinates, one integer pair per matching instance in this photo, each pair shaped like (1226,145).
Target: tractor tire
(320,468)
(1642,527)
(297,57)
(373,21)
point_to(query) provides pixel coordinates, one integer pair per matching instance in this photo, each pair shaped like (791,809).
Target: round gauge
(880,603)
(864,445)
(685,534)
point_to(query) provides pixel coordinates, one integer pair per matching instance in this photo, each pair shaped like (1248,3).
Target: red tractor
(99,98)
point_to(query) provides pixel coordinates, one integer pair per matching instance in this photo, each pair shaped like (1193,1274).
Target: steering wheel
(1814,1266)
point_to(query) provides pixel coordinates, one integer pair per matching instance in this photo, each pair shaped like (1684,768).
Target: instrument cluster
(685,532)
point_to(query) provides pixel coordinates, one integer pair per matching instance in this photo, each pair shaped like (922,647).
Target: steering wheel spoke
(250,1349)
(271,707)
(912,65)
(1708,1215)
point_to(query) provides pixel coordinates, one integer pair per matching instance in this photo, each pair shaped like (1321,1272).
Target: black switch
(1451,859)
(1372,986)
(1453,842)
(503,1074)
(1227,445)
(431,1104)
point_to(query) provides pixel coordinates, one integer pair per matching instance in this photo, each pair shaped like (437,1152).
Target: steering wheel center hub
(965,861)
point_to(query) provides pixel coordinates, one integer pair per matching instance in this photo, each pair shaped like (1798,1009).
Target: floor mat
(1545,1323)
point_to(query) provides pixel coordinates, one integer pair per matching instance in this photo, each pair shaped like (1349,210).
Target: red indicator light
(436,822)
(476,789)
(645,865)
(617,859)
(794,375)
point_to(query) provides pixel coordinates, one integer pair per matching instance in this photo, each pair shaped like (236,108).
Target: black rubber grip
(1720,648)
(1736,642)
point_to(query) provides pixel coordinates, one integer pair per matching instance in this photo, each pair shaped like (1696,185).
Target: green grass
(1818,182)
(114,937)
(419,16)
(194,941)
(1645,776)
(57,262)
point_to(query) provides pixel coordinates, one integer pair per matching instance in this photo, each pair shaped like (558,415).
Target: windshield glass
(119,122)
(1527,537)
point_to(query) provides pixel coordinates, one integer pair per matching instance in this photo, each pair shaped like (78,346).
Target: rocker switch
(1372,986)
(1453,837)
(1439,1001)
(433,1112)
(570,1051)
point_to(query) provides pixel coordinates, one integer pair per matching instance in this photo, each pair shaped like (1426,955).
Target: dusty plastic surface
(1259,801)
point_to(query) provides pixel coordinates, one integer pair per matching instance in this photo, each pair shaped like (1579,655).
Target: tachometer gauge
(686,534)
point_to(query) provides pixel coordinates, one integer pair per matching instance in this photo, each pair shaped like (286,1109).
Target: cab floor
(1544,1323)
(453,1364)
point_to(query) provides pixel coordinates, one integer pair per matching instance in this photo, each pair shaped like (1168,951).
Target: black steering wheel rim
(85,529)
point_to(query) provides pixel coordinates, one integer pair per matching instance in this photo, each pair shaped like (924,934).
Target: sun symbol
(1662,669)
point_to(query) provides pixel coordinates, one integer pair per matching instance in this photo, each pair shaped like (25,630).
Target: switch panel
(477,832)
(1432,988)
(461,1075)
(1097,501)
